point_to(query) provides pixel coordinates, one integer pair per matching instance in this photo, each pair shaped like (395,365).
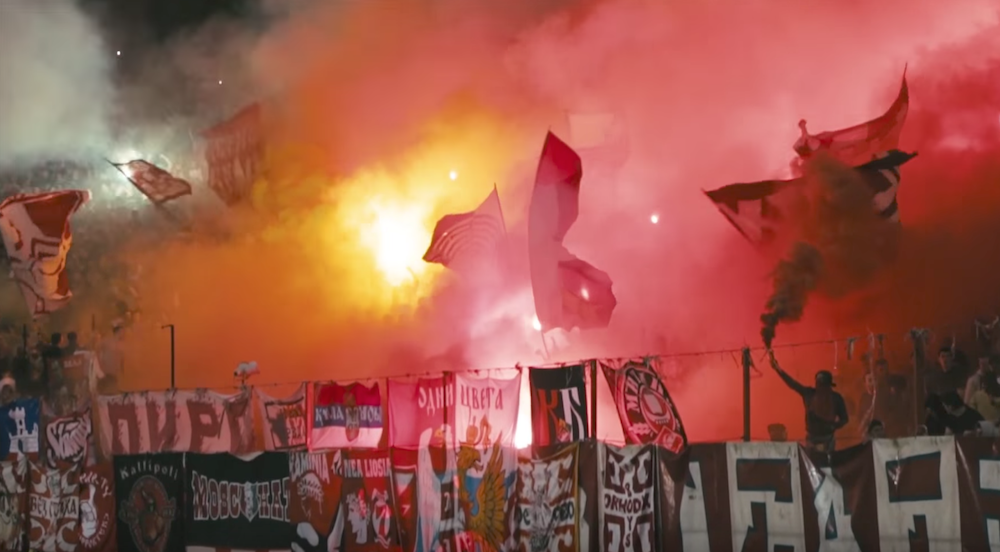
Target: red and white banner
(97,509)
(36,234)
(54,508)
(421,411)
(284,420)
(487,409)
(647,412)
(346,416)
(181,421)
(234,151)
(13,502)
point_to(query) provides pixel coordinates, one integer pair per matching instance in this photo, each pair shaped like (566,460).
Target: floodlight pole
(172,354)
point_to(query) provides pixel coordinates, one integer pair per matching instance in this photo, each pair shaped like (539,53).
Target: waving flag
(759,209)
(469,240)
(155,183)
(568,292)
(36,233)
(234,150)
(861,143)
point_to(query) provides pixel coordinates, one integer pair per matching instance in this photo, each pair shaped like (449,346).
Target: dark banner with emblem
(149,491)
(284,420)
(237,503)
(558,405)
(628,498)
(366,515)
(21,432)
(647,413)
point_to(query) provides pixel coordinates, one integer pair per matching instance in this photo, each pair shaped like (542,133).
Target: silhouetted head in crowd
(876,430)
(946,359)
(56,339)
(8,389)
(824,380)
(71,339)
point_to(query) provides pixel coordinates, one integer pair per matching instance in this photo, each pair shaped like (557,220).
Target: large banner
(426,484)
(176,421)
(54,506)
(647,413)
(421,412)
(68,439)
(366,517)
(237,503)
(346,416)
(20,422)
(13,502)
(487,409)
(558,405)
(284,420)
(97,509)
(313,498)
(628,498)
(549,517)
(149,493)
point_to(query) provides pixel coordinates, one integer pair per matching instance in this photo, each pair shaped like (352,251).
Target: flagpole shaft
(593,399)
(503,219)
(746,394)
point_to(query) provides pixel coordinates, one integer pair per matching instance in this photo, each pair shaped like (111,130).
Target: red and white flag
(234,150)
(859,144)
(155,183)
(37,236)
(471,241)
(569,292)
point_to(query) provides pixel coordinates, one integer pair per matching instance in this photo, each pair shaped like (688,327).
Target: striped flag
(155,183)
(234,152)
(859,144)
(468,240)
(759,209)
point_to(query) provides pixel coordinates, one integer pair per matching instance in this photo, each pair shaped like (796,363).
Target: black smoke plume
(842,243)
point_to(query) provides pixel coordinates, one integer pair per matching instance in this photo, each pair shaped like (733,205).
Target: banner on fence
(487,409)
(422,412)
(548,509)
(647,413)
(176,421)
(68,439)
(149,494)
(20,421)
(558,405)
(313,498)
(346,416)
(628,498)
(366,515)
(97,509)
(13,502)
(284,420)
(427,498)
(237,503)
(54,508)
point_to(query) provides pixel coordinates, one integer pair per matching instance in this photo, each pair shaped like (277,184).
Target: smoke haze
(55,89)
(372,104)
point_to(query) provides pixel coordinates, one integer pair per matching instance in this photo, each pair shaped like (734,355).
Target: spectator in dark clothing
(72,344)
(950,374)
(825,408)
(961,419)
(935,422)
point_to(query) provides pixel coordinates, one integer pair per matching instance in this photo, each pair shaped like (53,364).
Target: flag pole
(503,221)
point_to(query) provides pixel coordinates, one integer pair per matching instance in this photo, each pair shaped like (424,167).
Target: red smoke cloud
(711,93)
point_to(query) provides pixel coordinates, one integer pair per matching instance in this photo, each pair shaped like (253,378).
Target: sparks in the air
(654,218)
(585,294)
(220,82)
(535,324)
(453,175)
(118,52)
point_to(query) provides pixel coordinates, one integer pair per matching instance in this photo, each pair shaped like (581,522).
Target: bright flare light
(522,433)
(398,237)
(118,52)
(654,218)
(585,294)
(453,175)
(535,324)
